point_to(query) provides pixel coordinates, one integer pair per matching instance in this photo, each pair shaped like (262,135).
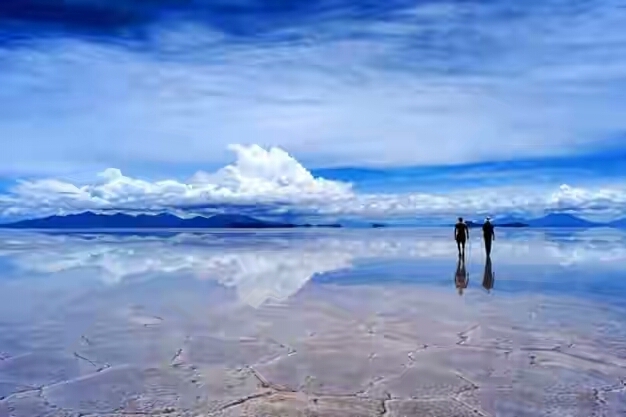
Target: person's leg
(458,246)
(488,246)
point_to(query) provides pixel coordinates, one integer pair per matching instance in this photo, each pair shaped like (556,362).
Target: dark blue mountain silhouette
(561,220)
(90,220)
(553,220)
(472,224)
(512,221)
(619,223)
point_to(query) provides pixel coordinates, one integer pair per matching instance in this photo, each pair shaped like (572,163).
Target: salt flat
(319,323)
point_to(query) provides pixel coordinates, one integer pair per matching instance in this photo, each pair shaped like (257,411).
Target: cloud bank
(271,182)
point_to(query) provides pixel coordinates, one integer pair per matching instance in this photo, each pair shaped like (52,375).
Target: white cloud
(464,77)
(271,177)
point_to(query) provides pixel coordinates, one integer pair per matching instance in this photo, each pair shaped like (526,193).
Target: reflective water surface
(318,323)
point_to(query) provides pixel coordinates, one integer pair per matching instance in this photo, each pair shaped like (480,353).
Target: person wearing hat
(488,235)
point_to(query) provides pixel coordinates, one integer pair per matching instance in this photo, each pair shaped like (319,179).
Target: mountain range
(552,220)
(90,220)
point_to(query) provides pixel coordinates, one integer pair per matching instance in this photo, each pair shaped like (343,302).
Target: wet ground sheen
(316,323)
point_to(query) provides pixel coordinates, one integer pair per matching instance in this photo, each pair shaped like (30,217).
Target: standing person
(461,234)
(488,235)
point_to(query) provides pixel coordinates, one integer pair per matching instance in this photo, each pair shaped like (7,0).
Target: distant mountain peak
(561,220)
(561,216)
(550,220)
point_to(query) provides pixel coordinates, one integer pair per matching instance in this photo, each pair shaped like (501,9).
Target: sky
(335,108)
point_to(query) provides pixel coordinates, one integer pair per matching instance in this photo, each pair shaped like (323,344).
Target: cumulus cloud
(272,182)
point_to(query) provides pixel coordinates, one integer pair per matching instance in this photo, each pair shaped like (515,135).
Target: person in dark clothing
(461,234)
(488,235)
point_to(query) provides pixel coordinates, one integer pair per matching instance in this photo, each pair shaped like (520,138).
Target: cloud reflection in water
(275,265)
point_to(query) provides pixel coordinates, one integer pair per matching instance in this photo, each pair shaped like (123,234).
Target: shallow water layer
(319,323)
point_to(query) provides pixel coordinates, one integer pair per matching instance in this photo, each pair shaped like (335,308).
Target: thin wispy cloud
(90,85)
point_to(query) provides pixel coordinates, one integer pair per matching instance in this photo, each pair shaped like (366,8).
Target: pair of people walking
(461,235)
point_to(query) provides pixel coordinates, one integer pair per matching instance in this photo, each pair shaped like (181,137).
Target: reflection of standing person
(488,235)
(488,276)
(460,278)
(461,234)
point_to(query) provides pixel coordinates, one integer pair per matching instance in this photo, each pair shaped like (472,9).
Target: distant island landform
(91,220)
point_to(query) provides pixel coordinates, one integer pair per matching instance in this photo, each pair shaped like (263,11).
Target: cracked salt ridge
(247,400)
(236,402)
(298,403)
(94,364)
(122,385)
(404,405)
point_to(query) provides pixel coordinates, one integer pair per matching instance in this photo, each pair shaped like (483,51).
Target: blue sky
(378,109)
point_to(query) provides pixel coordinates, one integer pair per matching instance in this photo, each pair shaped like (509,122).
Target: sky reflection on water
(276,265)
(103,323)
